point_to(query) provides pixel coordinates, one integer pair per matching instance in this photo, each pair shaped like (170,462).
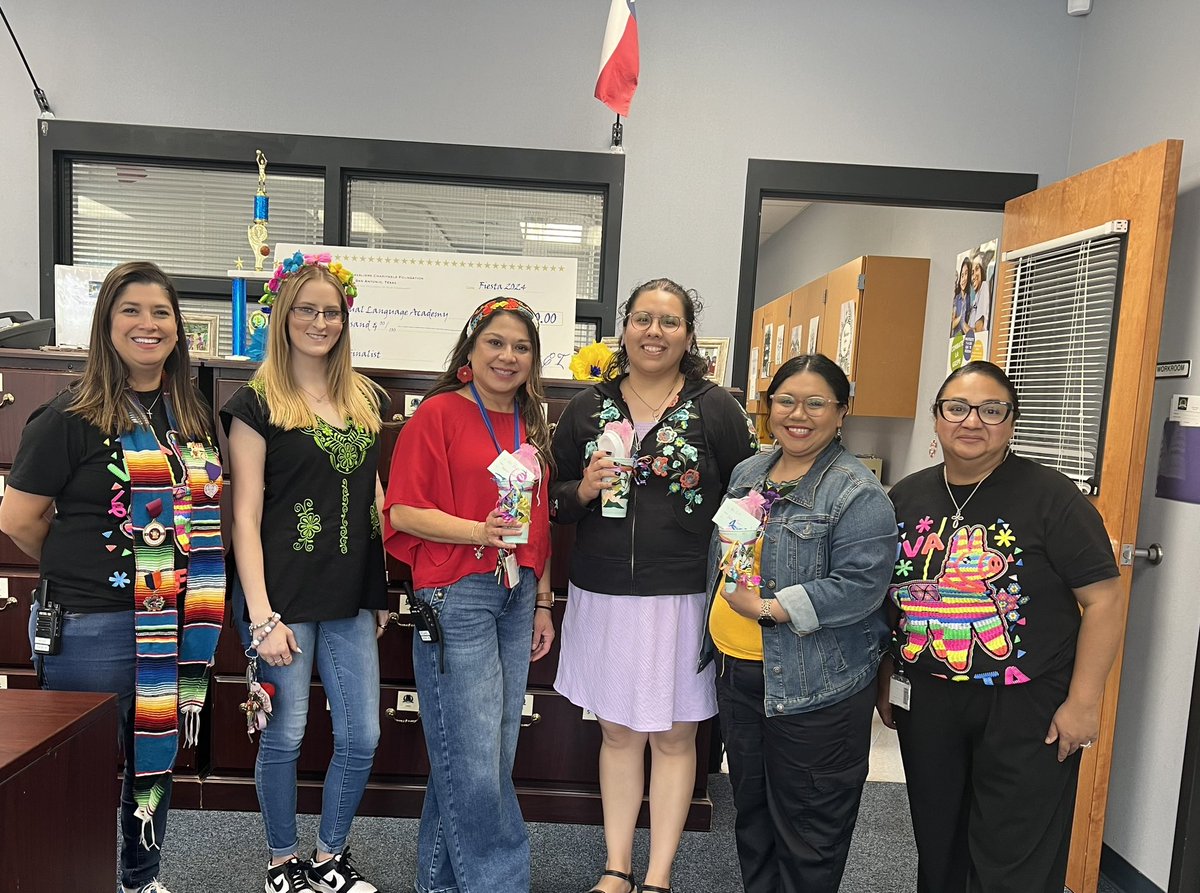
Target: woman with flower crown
(115,491)
(483,603)
(635,608)
(310,588)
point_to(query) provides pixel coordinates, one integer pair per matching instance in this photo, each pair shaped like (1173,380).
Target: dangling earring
(933,447)
(464,373)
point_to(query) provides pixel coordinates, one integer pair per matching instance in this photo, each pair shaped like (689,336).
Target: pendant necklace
(148,410)
(655,411)
(957,517)
(314,396)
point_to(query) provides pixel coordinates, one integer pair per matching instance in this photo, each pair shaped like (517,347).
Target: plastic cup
(517,500)
(614,502)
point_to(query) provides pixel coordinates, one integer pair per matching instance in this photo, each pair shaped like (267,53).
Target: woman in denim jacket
(798,655)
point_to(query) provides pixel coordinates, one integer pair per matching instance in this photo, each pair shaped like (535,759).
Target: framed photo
(716,353)
(201,331)
(411,402)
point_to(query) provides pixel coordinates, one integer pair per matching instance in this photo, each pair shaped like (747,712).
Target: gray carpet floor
(224,850)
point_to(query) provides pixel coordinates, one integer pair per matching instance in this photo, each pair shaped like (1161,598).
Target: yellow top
(732,633)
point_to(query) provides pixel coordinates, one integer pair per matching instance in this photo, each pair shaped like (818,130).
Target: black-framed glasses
(308,314)
(990,412)
(814,406)
(643,320)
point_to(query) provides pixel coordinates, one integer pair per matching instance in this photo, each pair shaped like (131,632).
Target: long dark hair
(818,364)
(693,366)
(101,396)
(530,395)
(990,370)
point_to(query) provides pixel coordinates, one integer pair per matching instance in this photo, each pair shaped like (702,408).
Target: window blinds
(190,221)
(473,219)
(1055,331)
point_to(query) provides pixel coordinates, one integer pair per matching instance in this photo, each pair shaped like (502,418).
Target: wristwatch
(764,613)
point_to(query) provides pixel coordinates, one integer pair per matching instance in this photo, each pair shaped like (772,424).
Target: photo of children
(971,305)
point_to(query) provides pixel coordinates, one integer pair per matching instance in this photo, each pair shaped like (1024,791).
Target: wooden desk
(58,792)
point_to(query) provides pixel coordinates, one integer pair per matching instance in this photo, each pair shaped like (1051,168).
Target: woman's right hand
(276,649)
(883,691)
(495,528)
(599,475)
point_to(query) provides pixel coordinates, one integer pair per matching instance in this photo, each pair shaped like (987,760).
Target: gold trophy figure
(256,232)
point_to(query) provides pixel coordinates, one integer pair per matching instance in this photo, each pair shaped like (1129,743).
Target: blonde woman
(304,448)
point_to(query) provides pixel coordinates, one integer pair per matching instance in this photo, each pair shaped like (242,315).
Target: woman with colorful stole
(484,603)
(115,491)
(307,543)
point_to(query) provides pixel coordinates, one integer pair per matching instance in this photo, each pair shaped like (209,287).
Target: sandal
(647,888)
(627,878)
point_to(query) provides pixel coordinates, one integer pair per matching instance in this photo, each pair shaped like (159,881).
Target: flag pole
(618,131)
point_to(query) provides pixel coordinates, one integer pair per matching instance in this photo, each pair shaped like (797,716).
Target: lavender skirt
(631,660)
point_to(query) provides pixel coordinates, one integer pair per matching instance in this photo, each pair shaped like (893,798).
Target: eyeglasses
(990,412)
(814,406)
(308,314)
(643,320)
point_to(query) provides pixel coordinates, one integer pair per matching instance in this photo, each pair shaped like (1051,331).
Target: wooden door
(1140,188)
(838,335)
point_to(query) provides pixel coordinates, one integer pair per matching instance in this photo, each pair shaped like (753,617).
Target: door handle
(7,399)
(1153,553)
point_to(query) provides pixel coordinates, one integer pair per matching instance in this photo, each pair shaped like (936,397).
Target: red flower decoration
(689,479)
(660,466)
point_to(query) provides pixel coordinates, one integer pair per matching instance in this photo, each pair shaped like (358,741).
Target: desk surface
(34,722)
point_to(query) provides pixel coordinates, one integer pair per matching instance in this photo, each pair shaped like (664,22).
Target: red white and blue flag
(619,58)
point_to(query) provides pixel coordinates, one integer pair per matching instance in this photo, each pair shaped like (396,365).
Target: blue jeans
(347,657)
(98,654)
(472,837)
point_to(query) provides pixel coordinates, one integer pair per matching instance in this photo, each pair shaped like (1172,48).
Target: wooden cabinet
(869,316)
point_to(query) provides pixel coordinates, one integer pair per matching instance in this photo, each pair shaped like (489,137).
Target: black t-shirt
(87,557)
(322,544)
(991,601)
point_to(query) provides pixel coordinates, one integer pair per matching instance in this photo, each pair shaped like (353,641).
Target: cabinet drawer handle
(9,600)
(531,719)
(394,620)
(7,400)
(401,715)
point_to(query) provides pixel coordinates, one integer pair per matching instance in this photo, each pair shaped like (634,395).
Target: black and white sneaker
(287,877)
(338,875)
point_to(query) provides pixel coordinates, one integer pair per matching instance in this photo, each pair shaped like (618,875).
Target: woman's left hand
(382,619)
(1074,725)
(748,603)
(543,635)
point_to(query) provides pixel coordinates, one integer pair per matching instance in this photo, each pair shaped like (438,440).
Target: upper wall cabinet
(868,316)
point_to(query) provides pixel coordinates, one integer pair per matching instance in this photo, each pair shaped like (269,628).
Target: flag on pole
(619,58)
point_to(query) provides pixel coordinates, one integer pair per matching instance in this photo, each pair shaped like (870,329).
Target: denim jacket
(828,554)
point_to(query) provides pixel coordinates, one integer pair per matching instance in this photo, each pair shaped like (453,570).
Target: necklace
(148,410)
(957,517)
(655,411)
(314,396)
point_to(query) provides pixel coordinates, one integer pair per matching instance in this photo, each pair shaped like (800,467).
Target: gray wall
(825,236)
(1132,92)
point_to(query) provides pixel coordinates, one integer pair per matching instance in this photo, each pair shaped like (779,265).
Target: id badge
(512,570)
(900,691)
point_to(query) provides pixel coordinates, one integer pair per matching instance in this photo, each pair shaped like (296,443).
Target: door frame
(862,184)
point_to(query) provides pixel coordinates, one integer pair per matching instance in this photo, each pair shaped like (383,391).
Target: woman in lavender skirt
(635,610)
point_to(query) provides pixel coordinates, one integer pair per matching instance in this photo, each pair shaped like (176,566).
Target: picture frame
(201,331)
(716,352)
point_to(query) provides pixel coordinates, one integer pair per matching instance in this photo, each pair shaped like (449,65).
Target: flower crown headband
(487,308)
(293,264)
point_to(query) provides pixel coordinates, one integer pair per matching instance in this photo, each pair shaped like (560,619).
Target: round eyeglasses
(308,314)
(814,406)
(990,412)
(643,320)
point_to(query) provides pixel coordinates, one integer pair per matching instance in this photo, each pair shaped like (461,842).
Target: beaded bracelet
(264,631)
(273,619)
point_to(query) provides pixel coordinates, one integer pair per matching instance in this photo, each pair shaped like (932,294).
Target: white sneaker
(155,886)
(337,875)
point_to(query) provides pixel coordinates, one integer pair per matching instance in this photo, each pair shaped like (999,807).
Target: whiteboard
(412,305)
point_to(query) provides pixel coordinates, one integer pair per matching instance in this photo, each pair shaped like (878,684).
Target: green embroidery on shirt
(346,448)
(374,523)
(308,523)
(344,536)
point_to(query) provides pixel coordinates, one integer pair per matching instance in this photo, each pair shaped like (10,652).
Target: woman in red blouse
(476,595)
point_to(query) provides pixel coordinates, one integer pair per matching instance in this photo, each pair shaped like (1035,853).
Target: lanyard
(487,421)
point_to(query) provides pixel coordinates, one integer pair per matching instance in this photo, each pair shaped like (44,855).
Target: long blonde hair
(530,395)
(352,395)
(101,396)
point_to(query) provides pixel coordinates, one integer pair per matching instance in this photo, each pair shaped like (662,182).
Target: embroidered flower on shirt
(925,525)
(1005,538)
(119,580)
(903,567)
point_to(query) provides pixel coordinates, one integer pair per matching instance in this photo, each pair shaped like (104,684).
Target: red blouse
(440,462)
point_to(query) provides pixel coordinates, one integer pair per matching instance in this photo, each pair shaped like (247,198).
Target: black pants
(991,805)
(797,782)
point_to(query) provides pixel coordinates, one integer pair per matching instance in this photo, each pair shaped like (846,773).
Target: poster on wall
(752,378)
(412,305)
(1179,456)
(812,334)
(795,341)
(769,332)
(845,335)
(76,289)
(971,306)
(780,333)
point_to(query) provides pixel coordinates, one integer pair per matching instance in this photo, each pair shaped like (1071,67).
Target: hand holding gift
(516,476)
(617,440)
(739,528)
